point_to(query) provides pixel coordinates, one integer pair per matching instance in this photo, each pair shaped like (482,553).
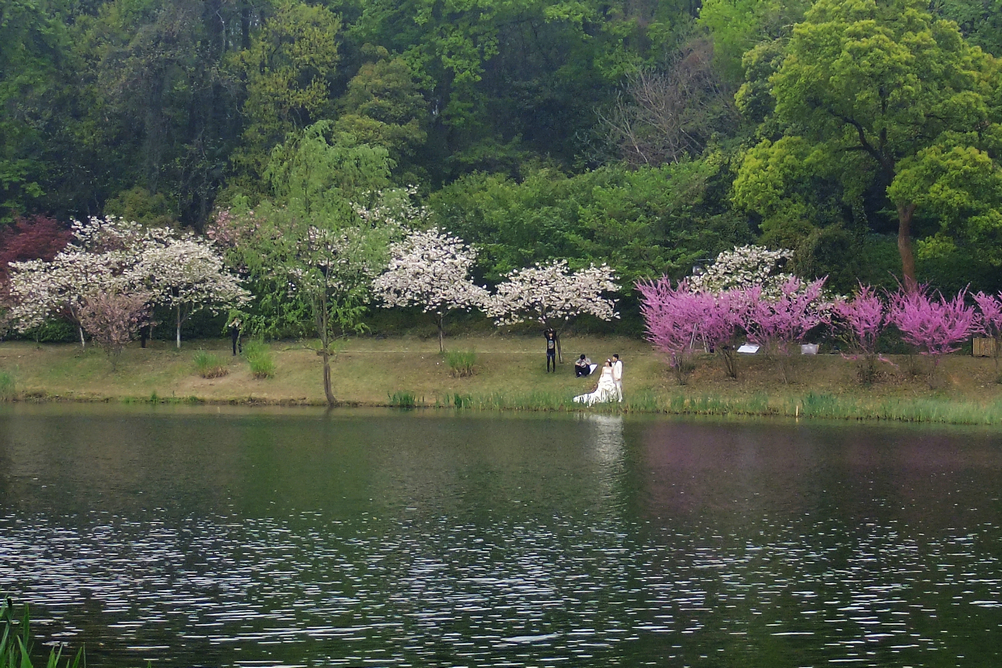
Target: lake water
(238,537)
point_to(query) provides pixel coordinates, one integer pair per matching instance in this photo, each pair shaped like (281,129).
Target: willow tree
(874,93)
(314,247)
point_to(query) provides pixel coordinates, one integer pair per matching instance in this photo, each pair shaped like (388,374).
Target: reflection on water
(388,539)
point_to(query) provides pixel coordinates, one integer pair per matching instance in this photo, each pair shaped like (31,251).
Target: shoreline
(405,372)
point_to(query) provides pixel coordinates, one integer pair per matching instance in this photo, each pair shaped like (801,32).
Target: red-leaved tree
(34,238)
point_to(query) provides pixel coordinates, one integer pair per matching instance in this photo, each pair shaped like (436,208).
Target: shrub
(208,365)
(462,363)
(259,357)
(112,319)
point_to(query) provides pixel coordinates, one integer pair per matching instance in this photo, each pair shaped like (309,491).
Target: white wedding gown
(606,390)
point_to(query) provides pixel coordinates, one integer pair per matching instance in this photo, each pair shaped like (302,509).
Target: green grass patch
(462,363)
(208,365)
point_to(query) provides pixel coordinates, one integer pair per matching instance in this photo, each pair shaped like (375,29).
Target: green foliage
(313,250)
(642,223)
(290,65)
(208,365)
(142,206)
(980,21)
(383,107)
(53,331)
(34,36)
(736,26)
(262,364)
(877,96)
(462,363)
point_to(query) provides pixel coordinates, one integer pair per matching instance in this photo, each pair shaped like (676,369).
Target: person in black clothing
(235,326)
(551,349)
(582,367)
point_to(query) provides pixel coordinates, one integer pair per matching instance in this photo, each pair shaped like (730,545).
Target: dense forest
(865,135)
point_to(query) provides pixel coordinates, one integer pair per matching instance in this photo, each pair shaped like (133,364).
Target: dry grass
(510,372)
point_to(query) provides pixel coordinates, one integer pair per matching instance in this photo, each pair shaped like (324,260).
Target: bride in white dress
(605,391)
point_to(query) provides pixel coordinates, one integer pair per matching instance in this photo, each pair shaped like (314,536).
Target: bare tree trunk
(323,331)
(179,328)
(83,344)
(905,213)
(441,333)
(560,354)
(328,391)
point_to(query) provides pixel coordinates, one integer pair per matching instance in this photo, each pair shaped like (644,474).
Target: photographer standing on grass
(551,349)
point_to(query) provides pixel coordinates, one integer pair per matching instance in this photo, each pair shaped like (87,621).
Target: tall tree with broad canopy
(878,93)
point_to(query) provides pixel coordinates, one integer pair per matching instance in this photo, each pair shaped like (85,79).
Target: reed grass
(462,363)
(404,400)
(258,356)
(8,388)
(16,642)
(208,365)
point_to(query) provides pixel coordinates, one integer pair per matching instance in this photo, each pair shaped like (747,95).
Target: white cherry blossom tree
(113,256)
(186,274)
(430,269)
(553,295)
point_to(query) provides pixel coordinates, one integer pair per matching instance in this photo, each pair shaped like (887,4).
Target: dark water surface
(263,538)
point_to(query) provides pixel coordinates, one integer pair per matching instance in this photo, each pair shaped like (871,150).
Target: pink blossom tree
(932,323)
(861,320)
(777,323)
(721,320)
(673,316)
(112,319)
(431,270)
(989,321)
(678,318)
(553,295)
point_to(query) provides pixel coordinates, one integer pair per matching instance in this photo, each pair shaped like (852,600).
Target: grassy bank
(509,374)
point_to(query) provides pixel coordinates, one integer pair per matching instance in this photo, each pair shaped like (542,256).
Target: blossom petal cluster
(778,322)
(430,269)
(552,291)
(863,318)
(745,267)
